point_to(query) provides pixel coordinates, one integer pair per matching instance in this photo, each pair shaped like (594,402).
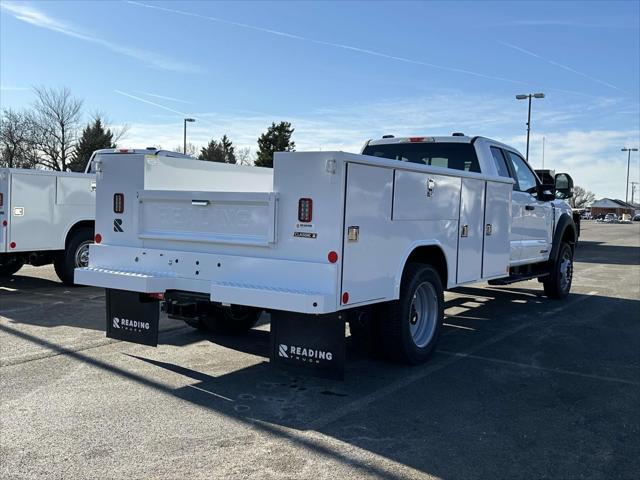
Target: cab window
(500,162)
(454,155)
(526,179)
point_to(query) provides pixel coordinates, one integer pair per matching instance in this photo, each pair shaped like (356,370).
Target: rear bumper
(277,284)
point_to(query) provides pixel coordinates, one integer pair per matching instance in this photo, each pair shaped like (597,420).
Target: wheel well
(82,224)
(569,236)
(430,255)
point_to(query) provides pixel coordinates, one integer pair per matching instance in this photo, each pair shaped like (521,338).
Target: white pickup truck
(45,217)
(324,237)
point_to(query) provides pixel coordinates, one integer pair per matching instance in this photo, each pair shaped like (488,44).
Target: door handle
(530,207)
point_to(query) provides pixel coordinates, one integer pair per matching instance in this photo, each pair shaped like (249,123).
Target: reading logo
(305,354)
(127,324)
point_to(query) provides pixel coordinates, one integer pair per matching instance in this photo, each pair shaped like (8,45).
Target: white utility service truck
(324,238)
(45,217)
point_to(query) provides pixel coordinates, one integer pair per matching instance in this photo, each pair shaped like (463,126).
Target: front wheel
(558,284)
(411,326)
(75,256)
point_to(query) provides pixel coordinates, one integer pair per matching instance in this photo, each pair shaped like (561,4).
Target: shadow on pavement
(597,252)
(495,401)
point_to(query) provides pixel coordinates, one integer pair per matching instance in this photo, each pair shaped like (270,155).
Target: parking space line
(360,403)
(537,367)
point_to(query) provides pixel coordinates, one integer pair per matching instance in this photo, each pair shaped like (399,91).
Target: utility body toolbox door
(366,271)
(4,209)
(470,234)
(497,230)
(32,203)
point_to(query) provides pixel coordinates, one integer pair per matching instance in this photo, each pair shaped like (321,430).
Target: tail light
(1,199)
(97,238)
(305,210)
(118,202)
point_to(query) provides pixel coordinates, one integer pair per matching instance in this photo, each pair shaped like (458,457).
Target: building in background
(601,207)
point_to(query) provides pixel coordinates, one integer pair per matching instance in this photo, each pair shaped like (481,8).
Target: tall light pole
(633,191)
(625,149)
(184,147)
(524,97)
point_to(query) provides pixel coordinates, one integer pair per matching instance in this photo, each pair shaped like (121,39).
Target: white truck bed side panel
(31,222)
(4,209)
(425,196)
(470,231)
(367,270)
(497,249)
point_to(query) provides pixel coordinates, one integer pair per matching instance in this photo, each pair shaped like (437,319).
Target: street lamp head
(189,119)
(538,95)
(522,97)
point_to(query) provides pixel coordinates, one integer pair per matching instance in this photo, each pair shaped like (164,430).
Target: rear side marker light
(345,298)
(97,238)
(118,202)
(305,210)
(332,257)
(4,223)
(12,244)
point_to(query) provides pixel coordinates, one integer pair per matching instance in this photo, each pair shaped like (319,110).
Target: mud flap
(132,317)
(309,344)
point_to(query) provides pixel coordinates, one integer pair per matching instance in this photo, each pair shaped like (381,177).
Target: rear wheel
(411,326)
(75,256)
(233,320)
(558,284)
(10,266)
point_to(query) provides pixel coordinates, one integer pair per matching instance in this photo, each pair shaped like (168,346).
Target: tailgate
(238,218)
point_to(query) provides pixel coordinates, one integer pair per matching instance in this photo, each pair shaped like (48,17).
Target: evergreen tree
(94,137)
(222,151)
(277,138)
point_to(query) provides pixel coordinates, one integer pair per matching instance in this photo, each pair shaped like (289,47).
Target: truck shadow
(458,416)
(596,252)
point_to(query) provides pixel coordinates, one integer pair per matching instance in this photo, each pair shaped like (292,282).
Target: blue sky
(344,72)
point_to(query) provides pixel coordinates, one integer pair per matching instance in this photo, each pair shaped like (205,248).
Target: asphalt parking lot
(520,387)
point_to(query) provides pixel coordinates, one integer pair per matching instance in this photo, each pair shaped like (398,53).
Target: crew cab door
(532,224)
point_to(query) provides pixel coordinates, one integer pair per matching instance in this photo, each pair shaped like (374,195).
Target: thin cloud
(33,16)
(163,97)
(6,88)
(149,102)
(352,48)
(560,65)
(564,23)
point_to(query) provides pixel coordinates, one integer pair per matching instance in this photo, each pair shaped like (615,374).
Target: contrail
(163,97)
(559,65)
(144,100)
(329,44)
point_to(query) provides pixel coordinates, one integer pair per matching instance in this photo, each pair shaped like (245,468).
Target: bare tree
(581,197)
(57,118)
(17,142)
(191,149)
(244,156)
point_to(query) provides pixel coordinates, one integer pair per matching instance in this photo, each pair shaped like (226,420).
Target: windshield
(458,156)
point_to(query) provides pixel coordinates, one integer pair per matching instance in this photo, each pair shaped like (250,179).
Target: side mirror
(546,192)
(564,186)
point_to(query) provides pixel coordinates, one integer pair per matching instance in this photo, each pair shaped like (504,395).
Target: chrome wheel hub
(423,314)
(82,255)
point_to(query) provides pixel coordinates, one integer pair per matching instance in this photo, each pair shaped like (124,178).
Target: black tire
(401,316)
(11,267)
(558,284)
(234,320)
(66,262)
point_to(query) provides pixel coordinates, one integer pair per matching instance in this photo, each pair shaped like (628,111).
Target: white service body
(233,233)
(39,208)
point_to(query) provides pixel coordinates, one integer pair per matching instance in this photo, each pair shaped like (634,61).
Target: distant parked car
(636,218)
(610,218)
